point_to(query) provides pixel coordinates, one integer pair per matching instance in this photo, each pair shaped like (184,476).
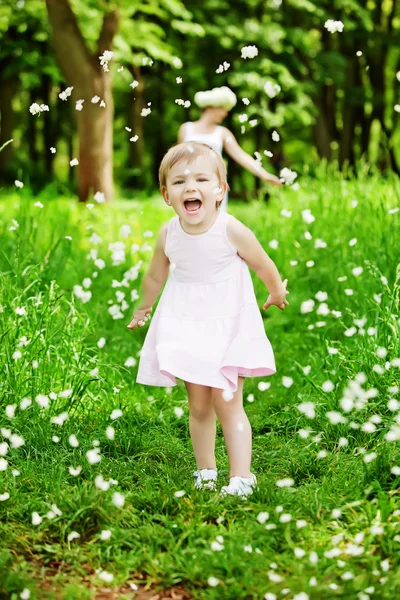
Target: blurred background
(338,99)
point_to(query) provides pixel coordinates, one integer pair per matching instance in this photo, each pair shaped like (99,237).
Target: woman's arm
(232,148)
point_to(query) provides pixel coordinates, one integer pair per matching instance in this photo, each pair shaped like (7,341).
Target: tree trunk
(8,89)
(84,72)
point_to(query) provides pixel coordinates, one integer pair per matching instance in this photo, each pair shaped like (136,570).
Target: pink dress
(207,328)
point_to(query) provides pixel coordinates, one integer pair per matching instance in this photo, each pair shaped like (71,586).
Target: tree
(83,72)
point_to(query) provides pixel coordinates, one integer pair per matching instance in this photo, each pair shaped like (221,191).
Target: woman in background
(215,105)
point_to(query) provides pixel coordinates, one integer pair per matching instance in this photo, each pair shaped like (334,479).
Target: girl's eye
(180,181)
(203,179)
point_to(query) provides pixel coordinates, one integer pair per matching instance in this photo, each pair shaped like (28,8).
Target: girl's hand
(140,316)
(279,301)
(274,180)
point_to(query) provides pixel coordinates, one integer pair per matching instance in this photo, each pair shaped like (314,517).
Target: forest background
(338,99)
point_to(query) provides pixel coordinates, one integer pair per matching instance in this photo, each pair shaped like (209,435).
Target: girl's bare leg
(236,429)
(202,424)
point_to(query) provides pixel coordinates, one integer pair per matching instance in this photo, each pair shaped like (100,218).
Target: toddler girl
(207,329)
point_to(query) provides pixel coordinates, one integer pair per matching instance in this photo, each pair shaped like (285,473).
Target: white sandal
(208,475)
(240,486)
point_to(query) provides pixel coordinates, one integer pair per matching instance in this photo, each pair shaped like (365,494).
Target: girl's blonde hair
(188,152)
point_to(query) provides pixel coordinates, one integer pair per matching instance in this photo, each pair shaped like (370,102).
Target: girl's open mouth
(192,207)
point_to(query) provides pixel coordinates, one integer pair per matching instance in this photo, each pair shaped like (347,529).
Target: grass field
(112,509)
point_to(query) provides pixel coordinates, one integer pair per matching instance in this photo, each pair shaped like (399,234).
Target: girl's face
(218,113)
(193,190)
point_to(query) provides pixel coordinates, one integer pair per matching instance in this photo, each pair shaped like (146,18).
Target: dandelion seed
(307,306)
(249,52)
(275,136)
(217,547)
(274,244)
(353,242)
(10,410)
(118,499)
(286,482)
(16,441)
(105,59)
(263,385)
(105,534)
(350,332)
(321,296)
(18,184)
(357,271)
(300,523)
(335,417)
(287,382)
(328,386)
(271,89)
(308,408)
(101,484)
(36,109)
(3,448)
(106,576)
(213,581)
(73,441)
(93,456)
(66,93)
(43,401)
(368,427)
(74,472)
(307,216)
(178,411)
(227,395)
(262,517)
(334,26)
(25,594)
(36,518)
(79,105)
(323,309)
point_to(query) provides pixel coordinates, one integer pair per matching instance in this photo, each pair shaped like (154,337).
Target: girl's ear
(165,194)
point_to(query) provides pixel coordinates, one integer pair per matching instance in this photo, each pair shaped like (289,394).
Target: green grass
(160,540)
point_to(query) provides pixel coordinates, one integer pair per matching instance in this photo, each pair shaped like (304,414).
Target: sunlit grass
(51,355)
